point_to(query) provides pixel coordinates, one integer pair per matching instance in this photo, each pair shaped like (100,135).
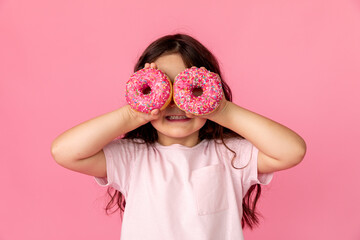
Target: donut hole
(146,90)
(197,91)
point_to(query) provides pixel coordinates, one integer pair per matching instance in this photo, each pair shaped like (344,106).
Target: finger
(147,65)
(155,112)
(190,115)
(153,65)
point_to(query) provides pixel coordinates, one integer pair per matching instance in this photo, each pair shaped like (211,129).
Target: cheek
(156,123)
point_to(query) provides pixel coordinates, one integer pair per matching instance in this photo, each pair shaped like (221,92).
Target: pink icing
(160,92)
(191,78)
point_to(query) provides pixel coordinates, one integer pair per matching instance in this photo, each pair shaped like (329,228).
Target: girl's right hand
(147,117)
(80,147)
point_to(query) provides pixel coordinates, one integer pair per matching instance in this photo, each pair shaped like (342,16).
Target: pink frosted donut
(193,78)
(148,89)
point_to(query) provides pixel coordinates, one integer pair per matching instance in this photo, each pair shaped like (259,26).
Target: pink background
(63,62)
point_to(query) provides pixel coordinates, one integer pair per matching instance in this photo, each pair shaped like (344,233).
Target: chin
(178,135)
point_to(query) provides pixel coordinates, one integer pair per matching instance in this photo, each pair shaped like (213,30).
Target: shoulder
(237,144)
(238,149)
(129,142)
(127,145)
(236,141)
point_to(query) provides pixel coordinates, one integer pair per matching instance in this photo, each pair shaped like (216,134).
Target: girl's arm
(279,147)
(80,148)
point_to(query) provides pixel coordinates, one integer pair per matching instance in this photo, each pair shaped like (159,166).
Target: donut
(148,89)
(194,78)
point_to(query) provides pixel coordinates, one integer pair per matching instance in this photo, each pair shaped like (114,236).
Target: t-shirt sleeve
(119,155)
(250,175)
(246,160)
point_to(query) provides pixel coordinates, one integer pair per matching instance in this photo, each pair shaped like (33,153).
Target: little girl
(183,176)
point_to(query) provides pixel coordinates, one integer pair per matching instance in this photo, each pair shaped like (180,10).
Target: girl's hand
(213,115)
(145,117)
(217,112)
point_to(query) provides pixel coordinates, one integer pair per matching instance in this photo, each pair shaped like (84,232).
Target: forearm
(88,138)
(270,137)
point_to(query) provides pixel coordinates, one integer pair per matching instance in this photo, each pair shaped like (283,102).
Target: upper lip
(175,115)
(167,115)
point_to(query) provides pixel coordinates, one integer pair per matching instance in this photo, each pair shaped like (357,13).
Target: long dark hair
(193,53)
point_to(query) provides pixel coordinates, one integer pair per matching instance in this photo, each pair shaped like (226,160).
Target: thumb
(190,115)
(155,114)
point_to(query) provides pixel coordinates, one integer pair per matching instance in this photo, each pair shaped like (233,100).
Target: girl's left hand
(216,112)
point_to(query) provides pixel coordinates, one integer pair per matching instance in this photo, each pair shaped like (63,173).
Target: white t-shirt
(177,192)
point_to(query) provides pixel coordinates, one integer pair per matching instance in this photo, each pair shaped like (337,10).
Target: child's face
(172,125)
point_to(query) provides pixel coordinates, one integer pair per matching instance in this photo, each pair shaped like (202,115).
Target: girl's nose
(172,103)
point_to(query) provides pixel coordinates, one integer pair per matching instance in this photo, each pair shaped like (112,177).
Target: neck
(188,141)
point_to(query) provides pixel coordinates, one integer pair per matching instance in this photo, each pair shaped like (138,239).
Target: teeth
(176,117)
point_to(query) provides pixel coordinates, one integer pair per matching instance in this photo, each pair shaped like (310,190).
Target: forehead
(171,64)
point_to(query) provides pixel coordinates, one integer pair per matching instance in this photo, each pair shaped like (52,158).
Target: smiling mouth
(176,117)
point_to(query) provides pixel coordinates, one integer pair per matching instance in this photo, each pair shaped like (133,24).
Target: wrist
(133,117)
(220,112)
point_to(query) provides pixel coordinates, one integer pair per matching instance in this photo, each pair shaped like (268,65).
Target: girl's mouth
(177,118)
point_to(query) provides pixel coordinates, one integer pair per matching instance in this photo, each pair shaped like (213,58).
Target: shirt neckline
(177,145)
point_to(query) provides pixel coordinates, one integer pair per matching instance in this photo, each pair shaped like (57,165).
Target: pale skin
(80,148)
